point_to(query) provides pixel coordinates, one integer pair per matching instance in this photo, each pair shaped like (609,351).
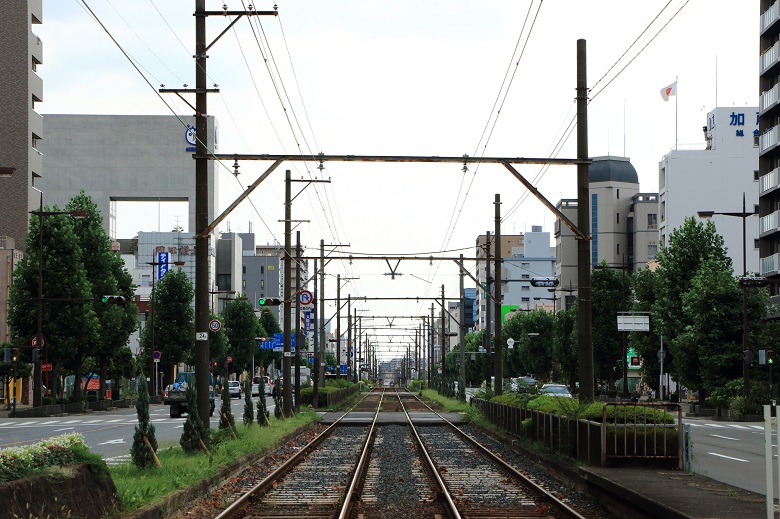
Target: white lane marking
(111,442)
(737,426)
(715,425)
(724,437)
(90,422)
(760,427)
(728,457)
(50,422)
(71,421)
(7,423)
(64,429)
(115,421)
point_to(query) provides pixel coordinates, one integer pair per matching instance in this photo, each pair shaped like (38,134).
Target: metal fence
(641,431)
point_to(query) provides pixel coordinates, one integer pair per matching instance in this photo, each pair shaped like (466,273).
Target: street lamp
(154,265)
(744,282)
(37,394)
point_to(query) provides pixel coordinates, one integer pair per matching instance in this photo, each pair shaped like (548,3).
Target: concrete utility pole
(202,368)
(349,337)
(286,372)
(202,226)
(321,359)
(488,314)
(431,356)
(584,325)
(499,355)
(315,365)
(462,332)
(443,341)
(298,336)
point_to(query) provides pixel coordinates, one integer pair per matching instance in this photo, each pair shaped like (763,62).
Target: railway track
(378,471)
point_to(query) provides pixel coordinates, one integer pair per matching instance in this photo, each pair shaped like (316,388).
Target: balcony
(770,16)
(769,223)
(769,58)
(770,181)
(770,265)
(769,99)
(768,140)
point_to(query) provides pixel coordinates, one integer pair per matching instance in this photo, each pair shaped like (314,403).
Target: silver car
(556,390)
(234,388)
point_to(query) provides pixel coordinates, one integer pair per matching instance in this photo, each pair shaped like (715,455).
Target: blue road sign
(343,368)
(162,264)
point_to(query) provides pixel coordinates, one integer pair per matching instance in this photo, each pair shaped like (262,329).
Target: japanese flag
(671,90)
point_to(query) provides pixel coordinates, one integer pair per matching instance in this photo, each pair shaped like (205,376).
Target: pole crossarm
(394,158)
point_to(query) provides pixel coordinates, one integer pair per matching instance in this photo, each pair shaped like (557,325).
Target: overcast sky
(429,77)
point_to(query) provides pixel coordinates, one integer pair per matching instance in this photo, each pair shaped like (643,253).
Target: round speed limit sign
(215,325)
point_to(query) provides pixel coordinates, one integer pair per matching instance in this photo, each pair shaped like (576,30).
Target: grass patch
(449,404)
(137,488)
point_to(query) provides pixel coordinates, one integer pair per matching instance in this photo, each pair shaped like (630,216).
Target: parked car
(527,384)
(556,390)
(269,385)
(234,388)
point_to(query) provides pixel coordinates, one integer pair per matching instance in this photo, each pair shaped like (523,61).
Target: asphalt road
(732,452)
(109,434)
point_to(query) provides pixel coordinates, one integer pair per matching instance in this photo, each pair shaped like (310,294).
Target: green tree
(566,348)
(249,410)
(610,294)
(262,411)
(644,283)
(193,432)
(107,276)
(139,452)
(69,325)
(226,419)
(243,327)
(17,368)
(174,323)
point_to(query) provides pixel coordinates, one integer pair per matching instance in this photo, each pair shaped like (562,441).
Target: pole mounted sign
(215,325)
(306,297)
(544,282)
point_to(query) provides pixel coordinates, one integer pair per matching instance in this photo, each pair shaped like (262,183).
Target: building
(21,127)
(125,158)
(715,178)
(536,259)
(623,226)
(768,140)
(508,243)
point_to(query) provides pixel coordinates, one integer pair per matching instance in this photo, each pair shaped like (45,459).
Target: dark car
(525,384)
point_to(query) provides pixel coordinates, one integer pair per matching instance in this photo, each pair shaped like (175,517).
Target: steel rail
(346,506)
(453,509)
(527,482)
(239,504)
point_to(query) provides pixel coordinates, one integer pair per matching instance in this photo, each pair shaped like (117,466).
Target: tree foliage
(141,455)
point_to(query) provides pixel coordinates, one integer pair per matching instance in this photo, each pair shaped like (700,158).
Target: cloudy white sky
(429,77)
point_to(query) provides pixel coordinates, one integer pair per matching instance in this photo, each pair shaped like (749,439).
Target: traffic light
(113,300)
(770,356)
(269,301)
(14,354)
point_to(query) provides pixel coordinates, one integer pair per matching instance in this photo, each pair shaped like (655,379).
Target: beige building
(623,222)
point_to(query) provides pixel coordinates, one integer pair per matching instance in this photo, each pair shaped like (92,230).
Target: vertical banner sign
(162,264)
(307,322)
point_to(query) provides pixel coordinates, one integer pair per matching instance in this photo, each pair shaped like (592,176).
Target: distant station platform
(418,417)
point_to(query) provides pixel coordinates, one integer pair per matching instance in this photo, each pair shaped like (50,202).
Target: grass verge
(449,404)
(137,488)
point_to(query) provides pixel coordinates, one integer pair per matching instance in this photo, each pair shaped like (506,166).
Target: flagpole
(675,113)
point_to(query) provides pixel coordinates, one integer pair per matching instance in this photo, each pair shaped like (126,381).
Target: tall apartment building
(508,243)
(768,140)
(715,178)
(21,127)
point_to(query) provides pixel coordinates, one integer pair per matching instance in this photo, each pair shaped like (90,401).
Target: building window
(262,269)
(525,276)
(755,244)
(525,288)
(652,250)
(262,283)
(243,283)
(243,269)
(755,141)
(525,299)
(663,211)
(662,178)
(618,217)
(617,191)
(617,249)
(525,265)
(756,174)
(652,221)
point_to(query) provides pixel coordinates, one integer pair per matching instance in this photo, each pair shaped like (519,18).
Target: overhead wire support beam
(397,158)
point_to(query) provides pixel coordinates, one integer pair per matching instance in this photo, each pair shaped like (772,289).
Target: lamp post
(154,265)
(744,282)
(37,395)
